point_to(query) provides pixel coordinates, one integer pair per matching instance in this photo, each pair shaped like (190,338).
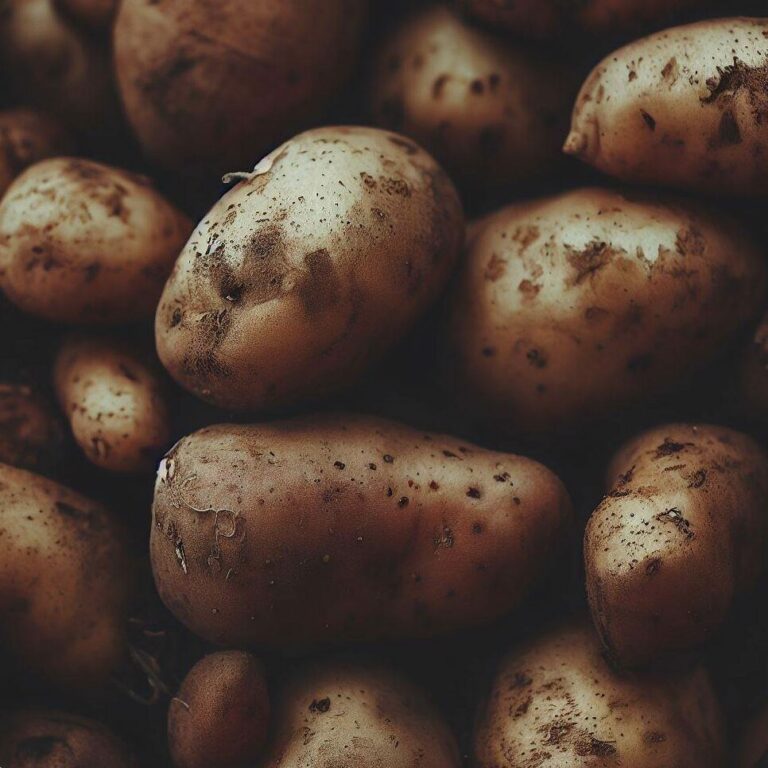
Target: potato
(684,108)
(95,14)
(115,402)
(352,713)
(681,533)
(339,527)
(753,747)
(210,87)
(572,308)
(492,113)
(220,716)
(81,242)
(557,704)
(752,377)
(309,270)
(52,739)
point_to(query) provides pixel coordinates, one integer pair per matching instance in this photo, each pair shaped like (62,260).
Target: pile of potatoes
(384,384)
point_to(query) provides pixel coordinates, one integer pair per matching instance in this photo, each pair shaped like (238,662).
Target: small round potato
(95,14)
(81,242)
(114,401)
(309,270)
(220,716)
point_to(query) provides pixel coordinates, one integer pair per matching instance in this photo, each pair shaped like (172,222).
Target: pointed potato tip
(575,144)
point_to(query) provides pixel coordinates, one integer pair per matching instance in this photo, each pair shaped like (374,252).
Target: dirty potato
(341,527)
(82,242)
(680,534)
(309,270)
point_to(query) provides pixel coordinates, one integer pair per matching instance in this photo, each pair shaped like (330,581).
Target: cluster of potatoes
(442,328)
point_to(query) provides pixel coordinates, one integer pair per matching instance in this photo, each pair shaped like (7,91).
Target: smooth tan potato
(210,87)
(309,270)
(572,308)
(347,713)
(753,742)
(51,739)
(65,581)
(682,531)
(686,108)
(115,402)
(220,716)
(752,382)
(84,242)
(96,14)
(492,113)
(341,527)
(556,703)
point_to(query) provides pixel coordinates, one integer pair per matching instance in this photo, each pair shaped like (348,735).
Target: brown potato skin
(556,703)
(220,716)
(681,532)
(340,527)
(281,297)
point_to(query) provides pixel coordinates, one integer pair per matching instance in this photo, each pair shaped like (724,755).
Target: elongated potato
(335,528)
(556,703)
(309,270)
(574,307)
(682,531)
(114,401)
(686,108)
(83,242)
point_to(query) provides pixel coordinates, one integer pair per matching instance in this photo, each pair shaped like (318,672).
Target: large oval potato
(686,107)
(556,703)
(309,270)
(682,532)
(574,307)
(492,113)
(210,87)
(336,528)
(84,242)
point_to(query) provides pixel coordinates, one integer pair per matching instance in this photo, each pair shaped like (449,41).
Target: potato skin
(687,108)
(220,716)
(646,292)
(752,376)
(115,403)
(556,703)
(283,295)
(210,87)
(95,14)
(340,527)
(82,242)
(681,532)
(492,113)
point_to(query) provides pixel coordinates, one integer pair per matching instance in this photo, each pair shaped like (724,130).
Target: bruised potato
(309,270)
(82,242)
(680,534)
(572,308)
(685,108)
(556,703)
(339,528)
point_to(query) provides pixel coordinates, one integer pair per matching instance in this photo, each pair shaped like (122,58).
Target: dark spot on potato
(388,459)
(488,351)
(521,680)
(669,447)
(477,87)
(675,516)
(536,358)
(175,317)
(588,261)
(320,705)
(528,289)
(403,502)
(653,737)
(653,565)
(320,290)
(433,485)
(589,745)
(698,479)
(339,464)
(439,85)
(495,268)
(728,133)
(477,528)
(670,71)
(648,119)
(473,493)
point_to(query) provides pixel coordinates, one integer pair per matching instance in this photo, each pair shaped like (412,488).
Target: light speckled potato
(492,113)
(686,108)
(573,307)
(96,14)
(681,533)
(64,583)
(309,270)
(220,716)
(84,242)
(753,742)
(210,87)
(340,527)
(115,402)
(52,739)
(355,714)
(556,703)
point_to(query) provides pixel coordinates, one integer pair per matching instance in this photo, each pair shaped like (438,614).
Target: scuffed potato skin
(681,532)
(686,107)
(82,242)
(573,307)
(115,402)
(335,528)
(309,270)
(556,703)
(493,114)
